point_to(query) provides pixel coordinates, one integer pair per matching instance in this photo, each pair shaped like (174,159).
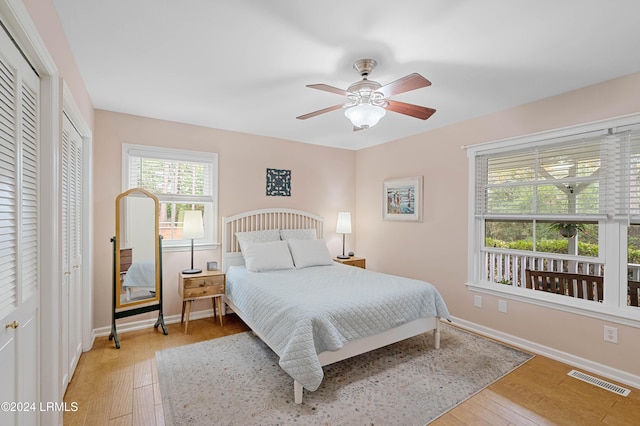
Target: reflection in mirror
(137,248)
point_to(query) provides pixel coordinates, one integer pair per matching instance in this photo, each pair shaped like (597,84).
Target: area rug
(236,380)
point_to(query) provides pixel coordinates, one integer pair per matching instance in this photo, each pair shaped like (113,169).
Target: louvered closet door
(19,228)
(71,336)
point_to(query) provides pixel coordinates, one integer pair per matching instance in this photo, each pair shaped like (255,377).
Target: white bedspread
(141,274)
(303,312)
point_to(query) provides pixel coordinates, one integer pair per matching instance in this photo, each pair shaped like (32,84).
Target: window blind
(550,180)
(628,187)
(623,154)
(188,180)
(586,177)
(181,180)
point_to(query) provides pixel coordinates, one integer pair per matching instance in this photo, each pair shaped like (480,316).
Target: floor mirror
(137,259)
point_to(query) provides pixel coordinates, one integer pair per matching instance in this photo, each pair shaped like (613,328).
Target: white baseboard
(149,323)
(572,360)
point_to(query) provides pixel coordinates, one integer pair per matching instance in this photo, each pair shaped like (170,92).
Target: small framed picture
(279,183)
(402,199)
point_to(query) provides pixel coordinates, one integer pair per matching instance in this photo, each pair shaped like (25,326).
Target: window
(182,180)
(550,180)
(575,237)
(563,203)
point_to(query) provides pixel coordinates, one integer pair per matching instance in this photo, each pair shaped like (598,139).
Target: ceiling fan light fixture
(365,115)
(367,101)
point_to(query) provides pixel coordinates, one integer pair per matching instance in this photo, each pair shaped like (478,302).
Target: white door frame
(16,18)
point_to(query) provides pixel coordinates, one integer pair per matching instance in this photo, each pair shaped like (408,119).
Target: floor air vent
(600,383)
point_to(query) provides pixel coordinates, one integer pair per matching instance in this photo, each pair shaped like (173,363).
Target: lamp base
(342,256)
(191,271)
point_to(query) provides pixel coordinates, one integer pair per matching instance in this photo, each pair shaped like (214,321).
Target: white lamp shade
(365,115)
(344,223)
(192,226)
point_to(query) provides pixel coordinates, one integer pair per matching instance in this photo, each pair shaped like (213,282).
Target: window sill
(187,247)
(629,316)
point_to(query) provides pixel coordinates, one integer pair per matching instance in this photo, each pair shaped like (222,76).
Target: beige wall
(45,17)
(436,249)
(322,183)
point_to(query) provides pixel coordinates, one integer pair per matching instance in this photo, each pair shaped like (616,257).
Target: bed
(141,275)
(310,310)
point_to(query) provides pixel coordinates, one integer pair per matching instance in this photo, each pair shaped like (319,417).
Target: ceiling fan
(367,100)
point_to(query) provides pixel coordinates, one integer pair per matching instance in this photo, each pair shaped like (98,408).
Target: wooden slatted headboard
(259,220)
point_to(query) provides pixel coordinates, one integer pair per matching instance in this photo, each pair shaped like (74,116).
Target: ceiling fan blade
(327,88)
(409,109)
(321,111)
(405,84)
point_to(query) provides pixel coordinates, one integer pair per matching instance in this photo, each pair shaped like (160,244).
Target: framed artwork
(402,199)
(279,182)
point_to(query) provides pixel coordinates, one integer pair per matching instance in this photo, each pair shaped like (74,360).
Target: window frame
(210,218)
(612,233)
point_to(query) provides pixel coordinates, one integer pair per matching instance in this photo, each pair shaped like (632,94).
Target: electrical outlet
(502,306)
(610,334)
(477,301)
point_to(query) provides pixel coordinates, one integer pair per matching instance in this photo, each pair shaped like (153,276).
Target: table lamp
(343,227)
(192,227)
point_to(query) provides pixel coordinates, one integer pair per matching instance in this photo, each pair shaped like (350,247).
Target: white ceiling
(243,65)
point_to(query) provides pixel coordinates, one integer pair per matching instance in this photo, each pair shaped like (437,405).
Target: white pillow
(298,234)
(270,256)
(257,237)
(307,253)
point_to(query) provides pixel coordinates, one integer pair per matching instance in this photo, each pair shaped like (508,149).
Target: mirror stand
(139,310)
(137,258)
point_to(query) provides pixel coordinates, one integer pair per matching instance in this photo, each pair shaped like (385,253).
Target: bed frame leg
(297,392)
(436,334)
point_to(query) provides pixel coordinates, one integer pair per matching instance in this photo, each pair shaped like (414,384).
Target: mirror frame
(158,271)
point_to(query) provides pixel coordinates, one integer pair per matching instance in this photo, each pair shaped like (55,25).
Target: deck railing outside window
(509,268)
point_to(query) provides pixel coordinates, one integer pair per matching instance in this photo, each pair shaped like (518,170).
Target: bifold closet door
(71,188)
(19,233)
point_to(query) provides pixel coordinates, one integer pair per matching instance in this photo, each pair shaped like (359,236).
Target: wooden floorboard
(118,387)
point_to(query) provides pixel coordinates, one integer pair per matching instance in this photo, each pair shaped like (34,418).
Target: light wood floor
(120,387)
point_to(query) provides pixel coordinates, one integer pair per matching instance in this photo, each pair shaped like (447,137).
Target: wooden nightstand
(360,262)
(206,284)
